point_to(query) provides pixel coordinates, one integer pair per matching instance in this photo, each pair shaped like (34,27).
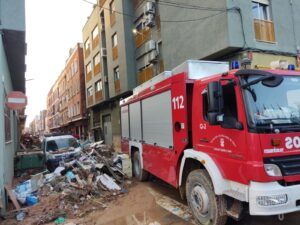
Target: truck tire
(207,208)
(138,172)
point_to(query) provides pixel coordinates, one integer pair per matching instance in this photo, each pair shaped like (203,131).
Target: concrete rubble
(77,187)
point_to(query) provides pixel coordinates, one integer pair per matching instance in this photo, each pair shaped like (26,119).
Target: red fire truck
(229,140)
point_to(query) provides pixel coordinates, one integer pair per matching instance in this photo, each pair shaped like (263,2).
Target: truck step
(235,211)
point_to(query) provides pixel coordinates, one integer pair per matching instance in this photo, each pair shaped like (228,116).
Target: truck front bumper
(273,199)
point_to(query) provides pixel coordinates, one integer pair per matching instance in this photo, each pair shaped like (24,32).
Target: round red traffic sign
(16,100)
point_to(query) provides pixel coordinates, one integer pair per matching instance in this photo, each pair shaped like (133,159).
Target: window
(98,85)
(90,91)
(75,66)
(263,25)
(205,104)
(97,59)
(88,68)
(230,106)
(95,32)
(7,119)
(112,7)
(114,39)
(261,10)
(87,44)
(117,73)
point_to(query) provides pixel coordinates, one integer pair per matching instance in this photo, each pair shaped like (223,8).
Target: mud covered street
(155,203)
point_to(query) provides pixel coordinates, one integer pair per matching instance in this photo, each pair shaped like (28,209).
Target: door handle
(204,140)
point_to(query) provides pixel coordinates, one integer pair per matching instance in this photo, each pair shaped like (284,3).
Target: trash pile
(77,186)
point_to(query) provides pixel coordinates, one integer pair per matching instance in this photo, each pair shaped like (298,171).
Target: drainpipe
(294,28)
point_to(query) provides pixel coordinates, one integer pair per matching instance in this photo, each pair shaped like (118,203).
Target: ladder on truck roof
(195,69)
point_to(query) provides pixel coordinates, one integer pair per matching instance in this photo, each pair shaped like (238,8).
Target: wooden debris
(12,197)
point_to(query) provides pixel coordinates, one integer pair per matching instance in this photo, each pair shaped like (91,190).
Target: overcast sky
(52,28)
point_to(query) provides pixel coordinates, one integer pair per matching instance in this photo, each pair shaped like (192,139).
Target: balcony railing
(145,74)
(115,52)
(95,42)
(136,3)
(97,69)
(90,100)
(112,18)
(98,96)
(88,77)
(87,52)
(264,30)
(141,37)
(161,66)
(117,86)
(101,2)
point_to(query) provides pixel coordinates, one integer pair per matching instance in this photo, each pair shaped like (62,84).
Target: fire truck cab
(229,140)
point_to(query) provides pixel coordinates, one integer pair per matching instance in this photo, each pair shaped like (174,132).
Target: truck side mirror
(215,102)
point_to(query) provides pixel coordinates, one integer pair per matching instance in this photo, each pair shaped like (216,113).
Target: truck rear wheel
(138,172)
(207,208)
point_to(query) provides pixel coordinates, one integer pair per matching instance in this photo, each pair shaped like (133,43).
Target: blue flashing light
(235,64)
(291,67)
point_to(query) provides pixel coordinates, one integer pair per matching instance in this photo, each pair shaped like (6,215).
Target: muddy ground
(143,206)
(155,203)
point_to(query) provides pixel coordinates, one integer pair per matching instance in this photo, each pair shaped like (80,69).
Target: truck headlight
(271,200)
(273,170)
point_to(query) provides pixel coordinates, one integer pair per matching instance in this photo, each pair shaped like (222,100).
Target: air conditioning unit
(149,20)
(152,56)
(103,52)
(149,8)
(150,45)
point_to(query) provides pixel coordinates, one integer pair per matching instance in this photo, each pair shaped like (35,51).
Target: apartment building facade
(138,39)
(109,67)
(66,106)
(167,34)
(12,75)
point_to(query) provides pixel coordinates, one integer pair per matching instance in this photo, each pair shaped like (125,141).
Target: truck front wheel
(207,208)
(138,171)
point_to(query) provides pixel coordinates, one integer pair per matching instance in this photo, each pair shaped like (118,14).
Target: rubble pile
(76,187)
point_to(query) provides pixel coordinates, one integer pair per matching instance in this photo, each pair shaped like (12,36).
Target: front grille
(289,165)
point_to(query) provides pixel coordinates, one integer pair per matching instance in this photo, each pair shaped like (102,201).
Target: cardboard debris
(78,185)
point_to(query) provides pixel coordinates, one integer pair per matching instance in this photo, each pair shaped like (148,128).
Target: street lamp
(135,32)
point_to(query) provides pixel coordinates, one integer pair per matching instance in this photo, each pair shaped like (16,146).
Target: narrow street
(155,203)
(97,95)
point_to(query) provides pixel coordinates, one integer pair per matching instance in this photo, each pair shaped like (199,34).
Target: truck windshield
(276,104)
(54,145)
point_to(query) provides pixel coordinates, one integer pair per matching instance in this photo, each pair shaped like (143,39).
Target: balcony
(101,3)
(136,3)
(145,74)
(142,37)
(112,18)
(115,52)
(98,96)
(161,66)
(90,100)
(87,52)
(88,77)
(95,42)
(264,30)
(97,69)
(117,86)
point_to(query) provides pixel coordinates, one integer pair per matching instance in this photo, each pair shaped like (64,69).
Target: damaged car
(59,148)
